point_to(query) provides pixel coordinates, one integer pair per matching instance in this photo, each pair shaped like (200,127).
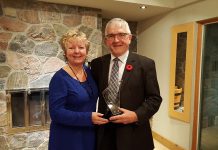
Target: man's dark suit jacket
(139,92)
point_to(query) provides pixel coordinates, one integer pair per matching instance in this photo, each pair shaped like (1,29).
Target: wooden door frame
(196,115)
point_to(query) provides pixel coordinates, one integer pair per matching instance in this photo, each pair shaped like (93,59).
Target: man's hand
(97,118)
(126,117)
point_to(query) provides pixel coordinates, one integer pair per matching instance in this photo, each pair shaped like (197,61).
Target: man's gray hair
(119,21)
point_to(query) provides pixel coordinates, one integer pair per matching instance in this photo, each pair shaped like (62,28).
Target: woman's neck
(78,72)
(76,68)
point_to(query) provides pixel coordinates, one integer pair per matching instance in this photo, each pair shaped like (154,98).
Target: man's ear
(130,37)
(105,41)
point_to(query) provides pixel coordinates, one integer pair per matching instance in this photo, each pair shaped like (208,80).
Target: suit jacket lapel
(127,73)
(105,70)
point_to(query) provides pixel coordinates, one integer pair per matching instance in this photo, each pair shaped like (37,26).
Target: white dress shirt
(121,63)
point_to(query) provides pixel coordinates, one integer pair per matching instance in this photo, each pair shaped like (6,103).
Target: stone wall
(30,54)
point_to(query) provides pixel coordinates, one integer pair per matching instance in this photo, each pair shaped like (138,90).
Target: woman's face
(76,51)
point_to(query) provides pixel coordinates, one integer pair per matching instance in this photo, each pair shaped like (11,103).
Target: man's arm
(152,100)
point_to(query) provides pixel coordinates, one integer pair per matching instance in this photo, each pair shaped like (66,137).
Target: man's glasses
(119,36)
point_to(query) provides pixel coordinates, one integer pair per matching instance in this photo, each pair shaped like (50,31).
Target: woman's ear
(65,57)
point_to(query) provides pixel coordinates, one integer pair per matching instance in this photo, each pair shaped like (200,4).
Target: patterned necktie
(114,82)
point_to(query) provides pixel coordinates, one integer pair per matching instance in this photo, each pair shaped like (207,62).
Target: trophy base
(113,110)
(113,107)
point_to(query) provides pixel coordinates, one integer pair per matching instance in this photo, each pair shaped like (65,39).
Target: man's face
(117,39)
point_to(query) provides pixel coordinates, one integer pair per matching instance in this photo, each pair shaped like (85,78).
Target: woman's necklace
(75,73)
(89,89)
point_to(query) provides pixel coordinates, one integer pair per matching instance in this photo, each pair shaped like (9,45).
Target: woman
(72,98)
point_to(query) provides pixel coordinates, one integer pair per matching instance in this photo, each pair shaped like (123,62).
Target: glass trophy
(111,103)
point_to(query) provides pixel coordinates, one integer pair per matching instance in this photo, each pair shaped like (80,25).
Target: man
(139,96)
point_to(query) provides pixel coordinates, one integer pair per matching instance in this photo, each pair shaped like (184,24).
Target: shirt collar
(122,58)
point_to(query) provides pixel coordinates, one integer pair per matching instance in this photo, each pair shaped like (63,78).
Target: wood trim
(11,131)
(211,20)
(27,127)
(9,116)
(197,87)
(42,102)
(167,143)
(195,127)
(189,28)
(26,109)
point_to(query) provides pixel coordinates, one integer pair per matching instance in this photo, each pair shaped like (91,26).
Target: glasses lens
(120,36)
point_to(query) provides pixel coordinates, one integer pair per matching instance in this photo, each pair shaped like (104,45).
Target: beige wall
(154,41)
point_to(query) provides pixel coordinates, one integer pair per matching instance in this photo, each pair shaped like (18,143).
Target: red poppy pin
(129,67)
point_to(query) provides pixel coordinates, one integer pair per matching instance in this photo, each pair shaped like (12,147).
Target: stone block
(72,20)
(13,25)
(17,80)
(29,16)
(9,11)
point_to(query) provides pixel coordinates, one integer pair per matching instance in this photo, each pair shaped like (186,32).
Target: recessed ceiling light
(143,7)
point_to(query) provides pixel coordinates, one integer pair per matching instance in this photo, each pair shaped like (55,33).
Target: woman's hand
(97,118)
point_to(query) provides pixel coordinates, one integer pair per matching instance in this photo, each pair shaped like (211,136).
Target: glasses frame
(119,36)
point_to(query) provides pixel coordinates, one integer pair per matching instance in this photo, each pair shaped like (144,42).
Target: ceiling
(129,9)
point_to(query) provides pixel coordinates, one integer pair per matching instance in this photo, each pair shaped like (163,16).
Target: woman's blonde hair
(76,34)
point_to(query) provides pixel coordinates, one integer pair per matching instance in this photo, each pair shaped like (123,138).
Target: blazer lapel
(105,70)
(127,72)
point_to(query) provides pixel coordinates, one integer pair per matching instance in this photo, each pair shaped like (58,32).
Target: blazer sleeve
(153,99)
(58,91)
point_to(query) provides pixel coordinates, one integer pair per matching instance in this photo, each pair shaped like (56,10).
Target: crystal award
(111,103)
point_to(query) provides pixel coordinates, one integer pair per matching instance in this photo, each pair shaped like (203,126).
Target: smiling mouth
(117,45)
(77,56)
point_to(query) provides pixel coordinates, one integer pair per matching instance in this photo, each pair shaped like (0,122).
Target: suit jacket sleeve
(153,99)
